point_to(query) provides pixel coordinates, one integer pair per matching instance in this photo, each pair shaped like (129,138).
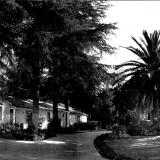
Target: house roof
(28,104)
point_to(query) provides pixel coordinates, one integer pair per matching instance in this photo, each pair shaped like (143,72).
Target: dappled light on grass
(27,142)
(147,142)
(145,145)
(41,142)
(53,142)
(138,147)
(148,139)
(139,144)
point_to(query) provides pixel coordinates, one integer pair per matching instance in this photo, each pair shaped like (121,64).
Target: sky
(132,17)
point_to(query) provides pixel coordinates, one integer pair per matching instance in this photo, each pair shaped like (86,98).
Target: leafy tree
(25,36)
(11,17)
(65,37)
(70,66)
(103,107)
(35,52)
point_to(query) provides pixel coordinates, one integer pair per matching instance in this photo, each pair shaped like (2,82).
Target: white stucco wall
(83,119)
(20,117)
(43,118)
(62,116)
(6,112)
(43,114)
(72,119)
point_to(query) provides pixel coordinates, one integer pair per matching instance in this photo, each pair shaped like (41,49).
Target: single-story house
(15,110)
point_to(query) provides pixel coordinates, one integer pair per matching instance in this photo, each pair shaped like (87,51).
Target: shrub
(133,124)
(119,131)
(29,132)
(85,126)
(16,131)
(130,117)
(30,129)
(53,128)
(38,136)
(68,130)
(10,131)
(136,130)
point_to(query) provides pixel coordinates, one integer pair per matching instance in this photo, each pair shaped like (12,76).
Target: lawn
(138,148)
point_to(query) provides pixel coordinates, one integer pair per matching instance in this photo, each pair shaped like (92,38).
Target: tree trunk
(56,121)
(66,108)
(36,84)
(35,109)
(55,106)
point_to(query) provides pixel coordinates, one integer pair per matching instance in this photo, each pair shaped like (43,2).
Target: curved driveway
(78,146)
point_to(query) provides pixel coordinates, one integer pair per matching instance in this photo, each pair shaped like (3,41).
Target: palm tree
(144,73)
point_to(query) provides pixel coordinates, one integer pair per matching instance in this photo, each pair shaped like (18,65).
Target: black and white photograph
(79,80)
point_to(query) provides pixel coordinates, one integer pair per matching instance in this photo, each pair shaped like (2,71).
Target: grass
(131,148)
(106,151)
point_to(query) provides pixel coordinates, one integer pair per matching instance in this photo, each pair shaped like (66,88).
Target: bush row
(16,131)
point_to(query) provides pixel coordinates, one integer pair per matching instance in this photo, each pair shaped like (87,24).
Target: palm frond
(144,51)
(131,64)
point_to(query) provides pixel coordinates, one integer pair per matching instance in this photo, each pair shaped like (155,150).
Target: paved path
(77,146)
